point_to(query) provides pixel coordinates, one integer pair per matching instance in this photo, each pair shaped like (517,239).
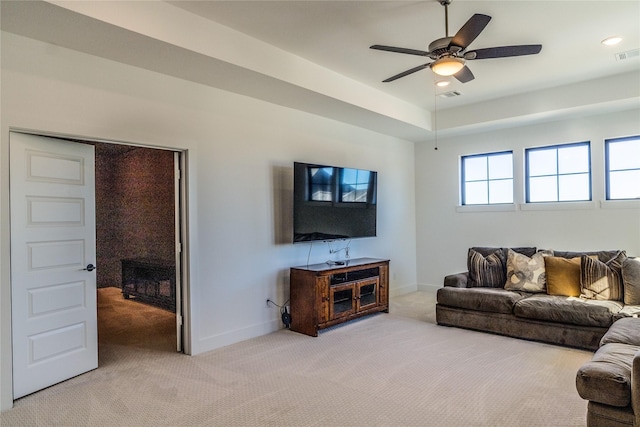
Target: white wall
(240,153)
(445,233)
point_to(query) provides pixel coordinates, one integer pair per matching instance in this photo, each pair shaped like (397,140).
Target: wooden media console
(324,295)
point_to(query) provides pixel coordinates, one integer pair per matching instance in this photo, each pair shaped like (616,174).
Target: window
(487,178)
(622,160)
(321,183)
(354,185)
(559,173)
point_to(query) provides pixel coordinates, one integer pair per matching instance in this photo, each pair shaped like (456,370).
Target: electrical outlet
(268,301)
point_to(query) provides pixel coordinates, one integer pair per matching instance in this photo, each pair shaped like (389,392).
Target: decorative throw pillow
(485,272)
(600,280)
(631,281)
(525,273)
(563,276)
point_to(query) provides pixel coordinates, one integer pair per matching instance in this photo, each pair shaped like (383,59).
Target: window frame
(463,182)
(557,175)
(607,168)
(357,184)
(314,184)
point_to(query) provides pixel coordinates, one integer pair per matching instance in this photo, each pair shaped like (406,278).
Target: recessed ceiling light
(442,83)
(610,41)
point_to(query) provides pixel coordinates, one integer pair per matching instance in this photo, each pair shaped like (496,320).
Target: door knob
(90,267)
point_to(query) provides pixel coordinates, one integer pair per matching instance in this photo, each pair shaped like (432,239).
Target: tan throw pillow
(563,276)
(600,280)
(526,274)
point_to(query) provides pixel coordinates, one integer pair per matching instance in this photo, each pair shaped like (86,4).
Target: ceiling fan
(449,54)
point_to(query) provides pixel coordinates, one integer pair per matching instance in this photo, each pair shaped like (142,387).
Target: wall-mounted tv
(333,203)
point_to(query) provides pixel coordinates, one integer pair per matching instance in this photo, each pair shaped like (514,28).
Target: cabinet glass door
(341,302)
(367,295)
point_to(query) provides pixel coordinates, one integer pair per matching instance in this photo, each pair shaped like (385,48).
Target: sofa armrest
(458,280)
(635,388)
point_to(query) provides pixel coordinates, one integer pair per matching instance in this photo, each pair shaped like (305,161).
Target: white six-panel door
(54,317)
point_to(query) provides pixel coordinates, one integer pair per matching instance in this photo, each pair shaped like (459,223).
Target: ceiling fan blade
(406,73)
(470,30)
(464,75)
(400,50)
(503,51)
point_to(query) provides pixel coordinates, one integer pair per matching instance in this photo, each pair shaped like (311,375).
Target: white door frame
(182,209)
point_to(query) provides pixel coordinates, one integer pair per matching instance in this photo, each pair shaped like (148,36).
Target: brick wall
(134,207)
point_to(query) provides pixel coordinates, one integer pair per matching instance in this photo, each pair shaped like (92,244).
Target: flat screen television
(333,203)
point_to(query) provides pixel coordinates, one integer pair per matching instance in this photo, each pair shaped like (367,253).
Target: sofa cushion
(631,280)
(607,377)
(563,276)
(628,311)
(602,280)
(526,273)
(603,256)
(623,331)
(486,271)
(488,250)
(458,280)
(481,299)
(572,310)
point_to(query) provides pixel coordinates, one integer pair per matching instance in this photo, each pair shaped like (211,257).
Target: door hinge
(179,320)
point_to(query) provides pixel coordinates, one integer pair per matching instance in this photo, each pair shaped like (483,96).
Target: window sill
(551,206)
(620,204)
(507,207)
(557,206)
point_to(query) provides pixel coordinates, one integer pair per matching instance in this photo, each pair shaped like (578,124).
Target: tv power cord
(335,251)
(284,314)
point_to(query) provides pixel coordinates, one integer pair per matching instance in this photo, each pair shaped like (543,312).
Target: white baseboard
(401,290)
(428,288)
(232,337)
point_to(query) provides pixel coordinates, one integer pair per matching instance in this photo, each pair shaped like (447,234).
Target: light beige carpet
(396,369)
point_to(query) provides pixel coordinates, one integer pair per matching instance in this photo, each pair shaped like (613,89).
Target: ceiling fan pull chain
(435,113)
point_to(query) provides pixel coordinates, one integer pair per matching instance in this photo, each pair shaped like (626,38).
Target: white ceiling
(314,55)
(337,35)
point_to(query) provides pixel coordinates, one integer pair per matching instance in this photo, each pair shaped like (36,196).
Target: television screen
(331,203)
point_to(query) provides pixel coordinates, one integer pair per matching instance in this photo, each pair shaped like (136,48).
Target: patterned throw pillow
(563,276)
(602,280)
(526,274)
(631,280)
(485,272)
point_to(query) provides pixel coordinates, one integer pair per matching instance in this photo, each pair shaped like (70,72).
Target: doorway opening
(137,248)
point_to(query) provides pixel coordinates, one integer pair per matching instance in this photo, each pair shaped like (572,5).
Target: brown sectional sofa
(611,380)
(484,298)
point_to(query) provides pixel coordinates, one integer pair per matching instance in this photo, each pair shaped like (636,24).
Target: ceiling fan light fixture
(447,66)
